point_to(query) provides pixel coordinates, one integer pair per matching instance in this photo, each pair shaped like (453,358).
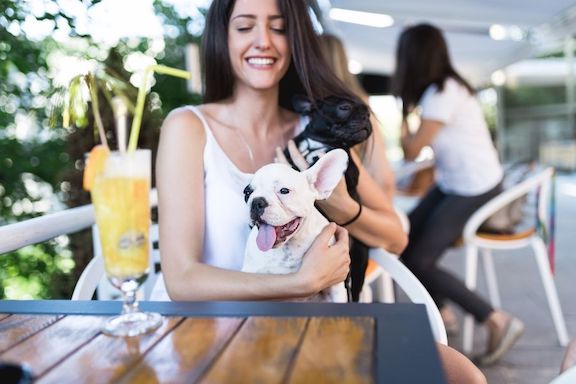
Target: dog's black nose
(257,208)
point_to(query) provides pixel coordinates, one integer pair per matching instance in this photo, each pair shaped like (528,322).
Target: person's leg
(418,218)
(436,233)
(419,215)
(443,225)
(458,368)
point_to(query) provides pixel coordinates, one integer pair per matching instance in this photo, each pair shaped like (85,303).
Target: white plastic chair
(412,287)
(475,241)
(378,278)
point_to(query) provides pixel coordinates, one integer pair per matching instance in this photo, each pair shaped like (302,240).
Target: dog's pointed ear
(302,104)
(325,174)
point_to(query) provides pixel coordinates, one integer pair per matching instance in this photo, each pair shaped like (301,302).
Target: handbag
(507,219)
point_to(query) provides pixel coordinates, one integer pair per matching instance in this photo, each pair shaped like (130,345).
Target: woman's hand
(325,265)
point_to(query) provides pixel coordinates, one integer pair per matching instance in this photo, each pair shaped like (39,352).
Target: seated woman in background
(468,173)
(371,152)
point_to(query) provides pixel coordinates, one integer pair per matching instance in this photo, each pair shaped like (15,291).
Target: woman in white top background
(468,173)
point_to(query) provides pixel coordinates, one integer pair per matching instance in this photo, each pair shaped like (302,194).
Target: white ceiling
(466,24)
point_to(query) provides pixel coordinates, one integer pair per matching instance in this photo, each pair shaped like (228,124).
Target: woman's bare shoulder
(181,116)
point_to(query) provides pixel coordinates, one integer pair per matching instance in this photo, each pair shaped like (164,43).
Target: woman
(378,166)
(468,173)
(257,54)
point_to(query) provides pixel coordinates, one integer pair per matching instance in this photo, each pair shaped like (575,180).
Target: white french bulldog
(285,220)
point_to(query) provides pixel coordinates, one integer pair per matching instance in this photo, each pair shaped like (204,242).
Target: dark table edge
(241,309)
(209,308)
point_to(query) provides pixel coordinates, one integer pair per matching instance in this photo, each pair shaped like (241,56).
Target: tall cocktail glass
(120,194)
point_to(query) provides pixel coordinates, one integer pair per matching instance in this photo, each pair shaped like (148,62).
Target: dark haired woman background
(468,173)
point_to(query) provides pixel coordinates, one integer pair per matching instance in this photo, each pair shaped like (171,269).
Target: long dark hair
(422,59)
(306,75)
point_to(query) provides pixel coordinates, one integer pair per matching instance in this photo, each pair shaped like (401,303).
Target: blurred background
(519,55)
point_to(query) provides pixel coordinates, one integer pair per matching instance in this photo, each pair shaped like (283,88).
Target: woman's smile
(261,62)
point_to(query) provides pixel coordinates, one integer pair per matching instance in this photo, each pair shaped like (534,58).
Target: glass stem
(130,303)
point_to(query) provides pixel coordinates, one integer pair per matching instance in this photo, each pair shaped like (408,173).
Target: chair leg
(490,275)
(384,288)
(471,266)
(550,289)
(366,295)
(388,285)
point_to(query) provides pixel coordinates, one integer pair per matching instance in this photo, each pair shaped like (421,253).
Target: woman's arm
(412,143)
(378,225)
(376,161)
(180,183)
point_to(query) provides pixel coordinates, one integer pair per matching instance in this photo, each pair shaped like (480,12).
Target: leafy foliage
(25,167)
(41,167)
(31,160)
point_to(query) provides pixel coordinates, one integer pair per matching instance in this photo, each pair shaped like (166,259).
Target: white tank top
(226,214)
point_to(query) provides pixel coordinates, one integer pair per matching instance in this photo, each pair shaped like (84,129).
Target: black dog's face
(337,122)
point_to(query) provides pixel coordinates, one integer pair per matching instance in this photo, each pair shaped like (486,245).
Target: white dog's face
(281,198)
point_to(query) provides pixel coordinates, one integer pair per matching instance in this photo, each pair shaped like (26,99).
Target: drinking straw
(137,121)
(120,111)
(93,88)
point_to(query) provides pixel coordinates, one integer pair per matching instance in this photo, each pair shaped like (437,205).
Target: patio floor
(536,358)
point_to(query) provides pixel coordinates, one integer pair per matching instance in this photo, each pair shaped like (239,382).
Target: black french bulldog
(337,122)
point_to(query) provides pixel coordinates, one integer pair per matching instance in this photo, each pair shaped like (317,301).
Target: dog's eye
(284,191)
(344,110)
(345,107)
(247,192)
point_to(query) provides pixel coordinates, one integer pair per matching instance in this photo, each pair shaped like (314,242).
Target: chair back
(539,185)
(413,288)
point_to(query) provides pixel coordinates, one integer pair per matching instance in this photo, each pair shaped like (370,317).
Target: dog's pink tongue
(266,237)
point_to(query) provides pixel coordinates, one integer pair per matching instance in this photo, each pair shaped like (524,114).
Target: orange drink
(119,185)
(121,203)
(123,218)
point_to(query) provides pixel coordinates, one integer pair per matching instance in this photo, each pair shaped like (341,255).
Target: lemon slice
(94,165)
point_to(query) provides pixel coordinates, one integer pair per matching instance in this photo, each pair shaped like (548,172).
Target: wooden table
(224,342)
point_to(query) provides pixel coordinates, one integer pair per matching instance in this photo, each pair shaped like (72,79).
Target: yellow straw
(137,121)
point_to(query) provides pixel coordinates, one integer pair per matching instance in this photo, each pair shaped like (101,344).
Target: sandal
(514,329)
